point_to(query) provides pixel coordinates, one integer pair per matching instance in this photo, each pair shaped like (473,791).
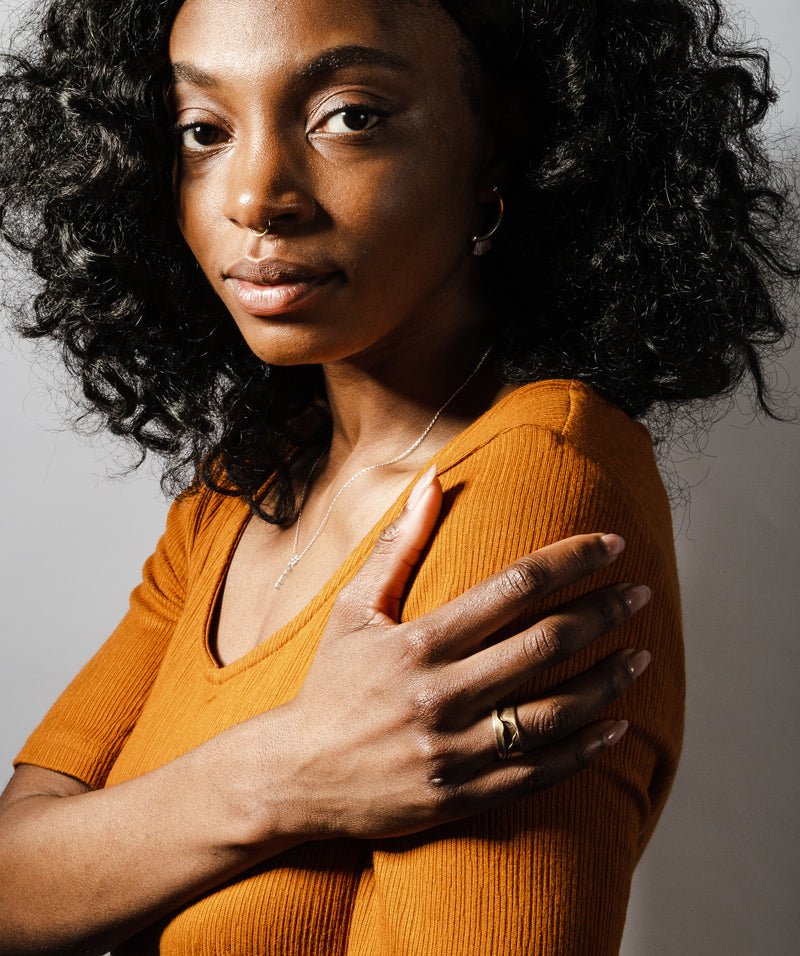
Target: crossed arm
(84,869)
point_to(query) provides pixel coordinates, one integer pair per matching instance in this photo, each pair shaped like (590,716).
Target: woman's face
(345,126)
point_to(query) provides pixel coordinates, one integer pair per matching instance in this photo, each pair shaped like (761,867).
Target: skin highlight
(387,369)
(596,173)
(265,136)
(349,202)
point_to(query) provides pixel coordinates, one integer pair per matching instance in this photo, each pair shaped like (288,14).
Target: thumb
(375,594)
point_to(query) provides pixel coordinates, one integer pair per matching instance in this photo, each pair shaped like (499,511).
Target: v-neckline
(445,457)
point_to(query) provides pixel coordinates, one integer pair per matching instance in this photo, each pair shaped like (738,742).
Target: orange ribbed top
(549,874)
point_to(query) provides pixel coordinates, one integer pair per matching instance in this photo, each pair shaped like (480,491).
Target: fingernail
(614,544)
(420,488)
(636,597)
(614,734)
(638,663)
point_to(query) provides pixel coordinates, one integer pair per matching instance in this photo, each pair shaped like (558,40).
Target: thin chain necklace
(296,556)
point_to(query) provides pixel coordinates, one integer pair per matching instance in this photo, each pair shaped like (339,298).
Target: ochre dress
(549,874)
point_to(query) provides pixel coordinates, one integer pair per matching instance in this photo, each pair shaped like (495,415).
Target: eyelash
(180,129)
(373,113)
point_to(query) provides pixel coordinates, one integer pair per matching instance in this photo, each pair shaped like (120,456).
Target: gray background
(721,874)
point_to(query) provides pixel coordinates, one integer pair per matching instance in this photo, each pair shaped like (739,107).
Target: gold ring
(507,733)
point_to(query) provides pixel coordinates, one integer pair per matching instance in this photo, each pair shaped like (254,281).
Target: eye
(351,119)
(199,136)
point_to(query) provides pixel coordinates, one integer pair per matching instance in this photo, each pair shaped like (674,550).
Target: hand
(393,723)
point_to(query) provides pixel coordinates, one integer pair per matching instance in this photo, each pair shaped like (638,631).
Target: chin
(283,343)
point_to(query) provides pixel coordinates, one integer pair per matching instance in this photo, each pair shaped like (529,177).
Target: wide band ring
(507,734)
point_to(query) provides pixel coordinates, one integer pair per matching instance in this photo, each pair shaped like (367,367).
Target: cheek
(415,211)
(198,213)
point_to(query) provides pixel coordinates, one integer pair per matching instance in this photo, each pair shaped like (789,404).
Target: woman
(408,210)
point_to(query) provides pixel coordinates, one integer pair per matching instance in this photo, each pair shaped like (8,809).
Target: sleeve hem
(68,755)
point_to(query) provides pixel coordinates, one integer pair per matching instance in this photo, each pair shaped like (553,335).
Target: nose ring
(263,232)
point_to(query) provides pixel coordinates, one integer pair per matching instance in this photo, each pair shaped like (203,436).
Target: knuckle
(589,556)
(347,595)
(435,756)
(443,795)
(543,643)
(618,678)
(348,603)
(537,777)
(417,641)
(388,537)
(525,577)
(445,700)
(428,752)
(552,720)
(540,776)
(613,610)
(582,559)
(457,699)
(427,703)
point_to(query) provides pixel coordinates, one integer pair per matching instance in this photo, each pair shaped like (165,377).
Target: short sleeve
(550,873)
(85,729)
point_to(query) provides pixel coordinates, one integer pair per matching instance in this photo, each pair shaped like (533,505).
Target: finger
(464,622)
(578,701)
(566,710)
(375,593)
(504,780)
(497,670)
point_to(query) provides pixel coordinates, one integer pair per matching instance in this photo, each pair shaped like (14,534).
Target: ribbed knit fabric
(548,874)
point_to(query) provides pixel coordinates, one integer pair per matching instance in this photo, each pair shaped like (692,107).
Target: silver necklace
(296,556)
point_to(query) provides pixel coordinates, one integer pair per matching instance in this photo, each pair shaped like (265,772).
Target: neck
(379,407)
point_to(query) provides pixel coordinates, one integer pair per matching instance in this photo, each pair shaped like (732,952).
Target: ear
(506,144)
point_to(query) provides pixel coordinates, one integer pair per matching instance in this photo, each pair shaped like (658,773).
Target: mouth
(272,287)
(278,298)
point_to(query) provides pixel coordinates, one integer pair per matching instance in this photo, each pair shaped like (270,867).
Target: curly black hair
(659,230)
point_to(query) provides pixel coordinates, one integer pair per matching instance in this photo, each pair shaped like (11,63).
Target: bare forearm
(80,874)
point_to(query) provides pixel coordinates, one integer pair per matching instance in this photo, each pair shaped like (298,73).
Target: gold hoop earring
(263,232)
(483,243)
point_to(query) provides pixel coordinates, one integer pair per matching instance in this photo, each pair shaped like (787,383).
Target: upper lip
(273,271)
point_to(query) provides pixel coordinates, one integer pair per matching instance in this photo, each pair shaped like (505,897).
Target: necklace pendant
(287,570)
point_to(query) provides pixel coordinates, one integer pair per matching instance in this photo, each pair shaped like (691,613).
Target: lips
(274,286)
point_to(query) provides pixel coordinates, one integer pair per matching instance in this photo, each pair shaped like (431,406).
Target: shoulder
(558,450)
(199,522)
(568,410)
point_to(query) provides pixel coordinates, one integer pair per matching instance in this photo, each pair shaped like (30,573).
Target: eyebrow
(188,73)
(329,61)
(339,57)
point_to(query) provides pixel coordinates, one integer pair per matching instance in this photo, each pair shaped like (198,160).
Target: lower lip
(277,299)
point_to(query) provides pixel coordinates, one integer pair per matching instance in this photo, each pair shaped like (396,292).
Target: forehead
(249,36)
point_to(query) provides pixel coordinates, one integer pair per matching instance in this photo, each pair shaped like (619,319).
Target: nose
(267,187)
